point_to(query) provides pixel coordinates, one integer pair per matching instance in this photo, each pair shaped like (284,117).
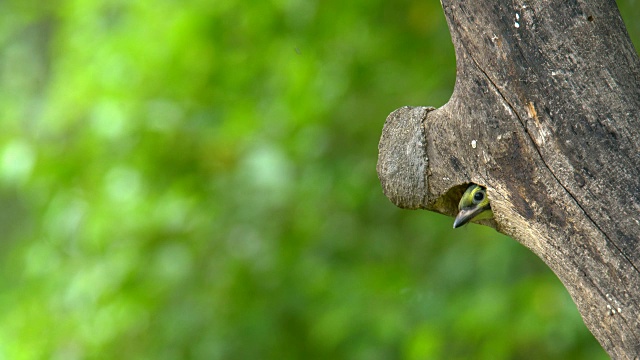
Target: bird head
(474,205)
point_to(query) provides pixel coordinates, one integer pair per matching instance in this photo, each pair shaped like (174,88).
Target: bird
(474,205)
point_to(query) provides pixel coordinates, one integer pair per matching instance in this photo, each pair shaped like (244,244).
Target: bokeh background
(196,179)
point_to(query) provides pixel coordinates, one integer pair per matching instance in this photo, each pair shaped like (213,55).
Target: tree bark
(545,115)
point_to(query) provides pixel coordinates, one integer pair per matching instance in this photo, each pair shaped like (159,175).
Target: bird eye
(478,197)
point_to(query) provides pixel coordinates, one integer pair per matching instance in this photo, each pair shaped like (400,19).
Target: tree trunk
(545,115)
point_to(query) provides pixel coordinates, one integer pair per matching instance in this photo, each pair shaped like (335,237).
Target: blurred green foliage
(196,179)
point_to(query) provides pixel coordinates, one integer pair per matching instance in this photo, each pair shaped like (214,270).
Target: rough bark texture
(545,114)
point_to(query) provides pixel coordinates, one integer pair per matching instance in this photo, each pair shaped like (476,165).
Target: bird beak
(465,215)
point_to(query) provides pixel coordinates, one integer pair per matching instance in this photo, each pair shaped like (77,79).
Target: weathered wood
(545,114)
